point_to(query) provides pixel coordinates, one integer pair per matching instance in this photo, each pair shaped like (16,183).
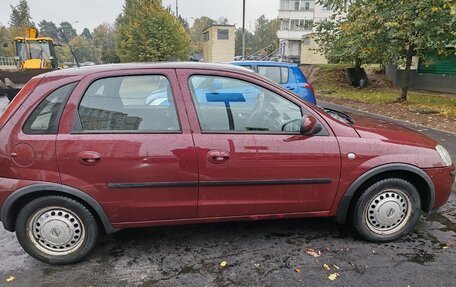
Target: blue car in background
(286,74)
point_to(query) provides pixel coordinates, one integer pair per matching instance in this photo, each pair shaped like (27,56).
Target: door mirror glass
(309,125)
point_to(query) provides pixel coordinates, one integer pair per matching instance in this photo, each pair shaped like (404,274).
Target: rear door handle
(218,156)
(88,157)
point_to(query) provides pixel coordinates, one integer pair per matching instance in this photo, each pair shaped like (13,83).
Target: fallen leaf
(223,264)
(10,279)
(297,270)
(333,276)
(337,267)
(257,265)
(313,253)
(445,247)
(326,267)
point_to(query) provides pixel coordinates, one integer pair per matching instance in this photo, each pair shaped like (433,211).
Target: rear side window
(46,116)
(278,75)
(129,104)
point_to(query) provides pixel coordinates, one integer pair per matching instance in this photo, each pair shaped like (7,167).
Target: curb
(383,117)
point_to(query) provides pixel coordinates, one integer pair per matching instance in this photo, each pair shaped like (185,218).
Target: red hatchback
(102,148)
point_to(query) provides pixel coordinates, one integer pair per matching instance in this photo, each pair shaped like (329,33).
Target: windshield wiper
(347,117)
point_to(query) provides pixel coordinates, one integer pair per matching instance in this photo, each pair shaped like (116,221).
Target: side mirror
(309,125)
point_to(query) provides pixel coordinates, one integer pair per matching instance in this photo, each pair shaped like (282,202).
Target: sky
(106,11)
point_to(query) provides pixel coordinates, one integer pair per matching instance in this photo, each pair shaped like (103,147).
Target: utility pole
(243,29)
(177,9)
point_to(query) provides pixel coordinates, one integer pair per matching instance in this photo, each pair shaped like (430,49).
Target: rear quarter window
(46,116)
(278,75)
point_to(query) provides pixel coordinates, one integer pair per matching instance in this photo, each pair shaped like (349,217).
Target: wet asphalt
(260,253)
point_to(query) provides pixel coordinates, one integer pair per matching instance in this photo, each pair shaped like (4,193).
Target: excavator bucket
(12,81)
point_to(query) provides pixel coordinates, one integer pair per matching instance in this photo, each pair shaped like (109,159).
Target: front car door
(135,158)
(251,158)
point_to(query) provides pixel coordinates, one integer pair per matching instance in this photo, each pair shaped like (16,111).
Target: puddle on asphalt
(448,224)
(420,257)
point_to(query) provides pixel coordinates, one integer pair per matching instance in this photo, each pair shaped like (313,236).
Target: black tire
(387,210)
(50,217)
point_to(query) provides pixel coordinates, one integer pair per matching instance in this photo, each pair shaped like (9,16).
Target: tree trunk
(358,64)
(406,76)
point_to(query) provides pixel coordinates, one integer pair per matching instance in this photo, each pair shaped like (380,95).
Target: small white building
(297,19)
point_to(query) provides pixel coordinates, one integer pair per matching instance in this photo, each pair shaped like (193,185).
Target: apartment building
(297,19)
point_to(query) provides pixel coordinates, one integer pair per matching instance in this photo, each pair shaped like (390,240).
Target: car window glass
(275,74)
(227,104)
(248,67)
(284,71)
(45,118)
(130,103)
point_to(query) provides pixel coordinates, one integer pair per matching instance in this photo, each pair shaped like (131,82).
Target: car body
(82,149)
(286,74)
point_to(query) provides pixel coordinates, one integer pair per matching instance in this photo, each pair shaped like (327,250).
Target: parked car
(83,152)
(286,74)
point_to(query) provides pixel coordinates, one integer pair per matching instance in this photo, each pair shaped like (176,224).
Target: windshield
(33,49)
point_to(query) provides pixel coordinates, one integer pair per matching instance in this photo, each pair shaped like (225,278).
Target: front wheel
(56,230)
(387,210)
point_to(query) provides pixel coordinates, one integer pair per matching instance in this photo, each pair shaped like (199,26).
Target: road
(266,253)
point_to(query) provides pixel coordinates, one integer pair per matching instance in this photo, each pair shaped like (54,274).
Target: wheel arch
(18,199)
(413,174)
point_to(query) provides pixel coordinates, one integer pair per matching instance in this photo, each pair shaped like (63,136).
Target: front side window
(278,75)
(227,104)
(130,104)
(45,118)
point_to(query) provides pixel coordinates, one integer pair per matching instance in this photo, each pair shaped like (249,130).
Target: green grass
(331,84)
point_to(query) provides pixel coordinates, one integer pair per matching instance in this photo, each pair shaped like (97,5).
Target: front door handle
(218,156)
(290,88)
(88,157)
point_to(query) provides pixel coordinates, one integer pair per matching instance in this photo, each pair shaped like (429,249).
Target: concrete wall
(426,82)
(309,55)
(219,51)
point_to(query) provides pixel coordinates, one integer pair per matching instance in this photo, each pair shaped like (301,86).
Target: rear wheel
(387,210)
(56,230)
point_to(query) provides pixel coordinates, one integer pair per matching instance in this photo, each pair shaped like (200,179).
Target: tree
(145,31)
(86,34)
(265,34)
(20,15)
(238,42)
(103,38)
(5,38)
(397,30)
(49,29)
(82,49)
(67,29)
(196,31)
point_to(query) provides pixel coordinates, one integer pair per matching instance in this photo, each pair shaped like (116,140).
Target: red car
(83,151)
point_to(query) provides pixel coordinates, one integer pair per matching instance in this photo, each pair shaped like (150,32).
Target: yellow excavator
(33,55)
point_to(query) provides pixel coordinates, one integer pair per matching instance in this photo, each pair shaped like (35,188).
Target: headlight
(444,155)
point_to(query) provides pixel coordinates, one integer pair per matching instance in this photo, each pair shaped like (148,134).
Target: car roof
(86,70)
(264,63)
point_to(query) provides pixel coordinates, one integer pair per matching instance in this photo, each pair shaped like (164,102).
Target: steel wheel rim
(56,231)
(388,212)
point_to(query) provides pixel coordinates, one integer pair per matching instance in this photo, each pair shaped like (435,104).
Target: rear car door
(251,159)
(135,158)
